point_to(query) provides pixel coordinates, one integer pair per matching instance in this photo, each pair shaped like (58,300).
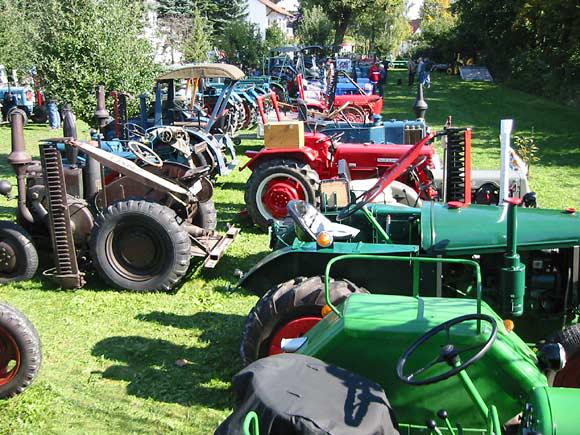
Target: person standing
(420,70)
(411,70)
(382,79)
(375,77)
(53,114)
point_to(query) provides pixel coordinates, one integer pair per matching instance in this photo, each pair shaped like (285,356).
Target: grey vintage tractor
(139,231)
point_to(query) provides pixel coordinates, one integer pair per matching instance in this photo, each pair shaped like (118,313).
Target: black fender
(306,260)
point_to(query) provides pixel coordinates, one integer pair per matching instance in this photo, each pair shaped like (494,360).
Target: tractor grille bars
(458,165)
(67,271)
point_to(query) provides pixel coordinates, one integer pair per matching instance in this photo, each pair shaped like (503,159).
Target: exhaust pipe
(19,158)
(69,129)
(92,175)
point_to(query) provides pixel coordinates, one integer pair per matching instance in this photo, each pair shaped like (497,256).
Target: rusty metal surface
(129,169)
(220,247)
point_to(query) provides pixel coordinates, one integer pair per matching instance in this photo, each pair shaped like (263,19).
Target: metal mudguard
(306,259)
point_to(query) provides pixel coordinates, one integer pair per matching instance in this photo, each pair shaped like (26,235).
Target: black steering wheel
(449,353)
(145,154)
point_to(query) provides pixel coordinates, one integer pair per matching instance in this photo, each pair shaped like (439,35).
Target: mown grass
(109,356)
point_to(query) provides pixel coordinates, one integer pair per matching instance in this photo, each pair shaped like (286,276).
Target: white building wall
(258,14)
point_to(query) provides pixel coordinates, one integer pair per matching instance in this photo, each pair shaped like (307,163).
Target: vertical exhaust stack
(513,273)
(420,106)
(19,158)
(93,181)
(69,129)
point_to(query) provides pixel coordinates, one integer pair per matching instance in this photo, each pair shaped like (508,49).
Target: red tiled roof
(276,8)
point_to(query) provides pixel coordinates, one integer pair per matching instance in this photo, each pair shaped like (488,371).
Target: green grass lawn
(109,356)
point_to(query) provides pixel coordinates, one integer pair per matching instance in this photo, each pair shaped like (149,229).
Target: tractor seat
(298,394)
(309,221)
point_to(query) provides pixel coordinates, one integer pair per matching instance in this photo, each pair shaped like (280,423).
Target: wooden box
(284,134)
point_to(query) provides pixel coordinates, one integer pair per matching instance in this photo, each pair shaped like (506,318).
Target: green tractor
(412,364)
(529,272)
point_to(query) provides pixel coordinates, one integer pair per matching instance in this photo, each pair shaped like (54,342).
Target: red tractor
(291,173)
(315,100)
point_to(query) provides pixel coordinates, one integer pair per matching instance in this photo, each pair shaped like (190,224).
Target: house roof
(276,8)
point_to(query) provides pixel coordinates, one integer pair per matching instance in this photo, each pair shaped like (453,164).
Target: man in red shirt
(375,76)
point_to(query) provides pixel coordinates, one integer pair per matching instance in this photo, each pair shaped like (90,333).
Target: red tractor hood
(371,160)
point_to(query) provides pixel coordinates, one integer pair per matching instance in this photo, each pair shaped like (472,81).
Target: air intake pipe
(513,273)
(19,158)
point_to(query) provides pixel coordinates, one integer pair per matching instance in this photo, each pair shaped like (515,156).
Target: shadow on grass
(149,365)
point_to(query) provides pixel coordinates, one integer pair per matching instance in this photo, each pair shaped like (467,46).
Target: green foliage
(315,27)
(532,44)
(81,43)
(527,148)
(15,31)
(225,12)
(438,27)
(199,42)
(384,31)
(275,37)
(343,13)
(242,43)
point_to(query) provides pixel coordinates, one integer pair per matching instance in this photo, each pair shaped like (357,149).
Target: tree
(315,27)
(81,43)
(199,42)
(16,52)
(225,12)
(384,32)
(275,37)
(242,43)
(343,13)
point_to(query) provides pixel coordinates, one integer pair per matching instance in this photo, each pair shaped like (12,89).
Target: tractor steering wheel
(335,137)
(449,353)
(145,154)
(387,178)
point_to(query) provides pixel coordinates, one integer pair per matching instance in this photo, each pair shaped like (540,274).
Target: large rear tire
(20,352)
(273,184)
(288,310)
(138,245)
(18,256)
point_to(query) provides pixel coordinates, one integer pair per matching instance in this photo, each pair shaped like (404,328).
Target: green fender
(306,259)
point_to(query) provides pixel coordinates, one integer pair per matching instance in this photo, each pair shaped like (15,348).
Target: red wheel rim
(279,192)
(569,376)
(9,357)
(293,329)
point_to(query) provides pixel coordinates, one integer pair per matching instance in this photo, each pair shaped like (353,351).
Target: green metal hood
(482,228)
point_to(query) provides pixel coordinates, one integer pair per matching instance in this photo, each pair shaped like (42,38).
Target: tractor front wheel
(288,310)
(274,183)
(206,215)
(20,352)
(138,245)
(18,256)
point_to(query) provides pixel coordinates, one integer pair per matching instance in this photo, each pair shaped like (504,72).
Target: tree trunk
(341,27)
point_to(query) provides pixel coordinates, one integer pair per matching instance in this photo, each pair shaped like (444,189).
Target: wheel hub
(279,194)
(9,358)
(293,329)
(137,249)
(7,257)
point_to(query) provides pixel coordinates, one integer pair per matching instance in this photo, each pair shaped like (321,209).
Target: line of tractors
(396,276)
